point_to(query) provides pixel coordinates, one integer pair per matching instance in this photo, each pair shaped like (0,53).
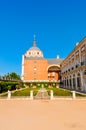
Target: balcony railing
(74,67)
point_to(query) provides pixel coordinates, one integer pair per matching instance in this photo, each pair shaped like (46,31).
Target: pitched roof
(34,58)
(50,61)
(55,61)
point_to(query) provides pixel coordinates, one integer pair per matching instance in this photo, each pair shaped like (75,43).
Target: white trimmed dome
(34,51)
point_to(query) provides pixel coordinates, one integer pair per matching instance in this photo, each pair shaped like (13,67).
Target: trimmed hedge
(5,86)
(39,84)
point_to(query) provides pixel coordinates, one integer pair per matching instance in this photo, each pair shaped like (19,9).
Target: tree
(13,75)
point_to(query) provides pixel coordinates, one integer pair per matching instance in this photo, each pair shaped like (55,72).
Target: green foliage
(12,75)
(39,84)
(22,85)
(59,92)
(25,92)
(9,87)
(17,86)
(5,86)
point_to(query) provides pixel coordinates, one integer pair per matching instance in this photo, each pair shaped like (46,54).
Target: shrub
(5,86)
(9,87)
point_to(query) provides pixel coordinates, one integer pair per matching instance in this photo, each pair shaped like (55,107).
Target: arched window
(38,53)
(78,74)
(29,53)
(73,75)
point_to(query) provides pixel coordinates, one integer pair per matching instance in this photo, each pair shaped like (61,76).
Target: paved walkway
(43,114)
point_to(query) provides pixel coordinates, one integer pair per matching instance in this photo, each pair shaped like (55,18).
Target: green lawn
(56,91)
(59,92)
(25,92)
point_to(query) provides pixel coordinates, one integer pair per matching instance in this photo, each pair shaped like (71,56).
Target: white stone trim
(38,81)
(22,77)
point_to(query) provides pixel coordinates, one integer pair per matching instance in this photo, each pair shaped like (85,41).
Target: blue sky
(57,24)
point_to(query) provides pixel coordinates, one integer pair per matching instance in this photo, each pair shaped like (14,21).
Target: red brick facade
(36,68)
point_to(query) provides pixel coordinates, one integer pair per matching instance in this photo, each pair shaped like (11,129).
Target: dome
(34,48)
(34,51)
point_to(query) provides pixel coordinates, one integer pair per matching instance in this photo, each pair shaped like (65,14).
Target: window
(38,53)
(53,74)
(83,48)
(29,53)
(78,75)
(34,68)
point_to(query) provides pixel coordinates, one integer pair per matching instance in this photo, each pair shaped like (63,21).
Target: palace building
(36,68)
(73,68)
(71,71)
